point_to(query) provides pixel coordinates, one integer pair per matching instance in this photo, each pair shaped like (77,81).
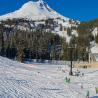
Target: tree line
(39,44)
(21,45)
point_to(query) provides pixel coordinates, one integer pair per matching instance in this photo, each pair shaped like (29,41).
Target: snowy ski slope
(19,80)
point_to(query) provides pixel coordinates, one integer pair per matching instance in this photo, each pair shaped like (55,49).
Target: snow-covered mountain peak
(33,3)
(36,6)
(35,11)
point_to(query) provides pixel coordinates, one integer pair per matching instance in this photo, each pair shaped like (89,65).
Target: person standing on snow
(87,95)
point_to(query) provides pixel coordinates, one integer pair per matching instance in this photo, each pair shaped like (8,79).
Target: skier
(96,88)
(81,85)
(68,80)
(77,73)
(82,74)
(87,95)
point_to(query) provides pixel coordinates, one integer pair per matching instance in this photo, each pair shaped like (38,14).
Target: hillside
(42,33)
(41,14)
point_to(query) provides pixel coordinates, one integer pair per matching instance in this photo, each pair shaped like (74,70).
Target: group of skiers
(67,80)
(77,73)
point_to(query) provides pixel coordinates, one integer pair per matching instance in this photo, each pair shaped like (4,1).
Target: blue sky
(83,10)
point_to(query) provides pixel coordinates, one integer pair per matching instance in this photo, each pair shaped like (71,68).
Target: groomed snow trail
(19,80)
